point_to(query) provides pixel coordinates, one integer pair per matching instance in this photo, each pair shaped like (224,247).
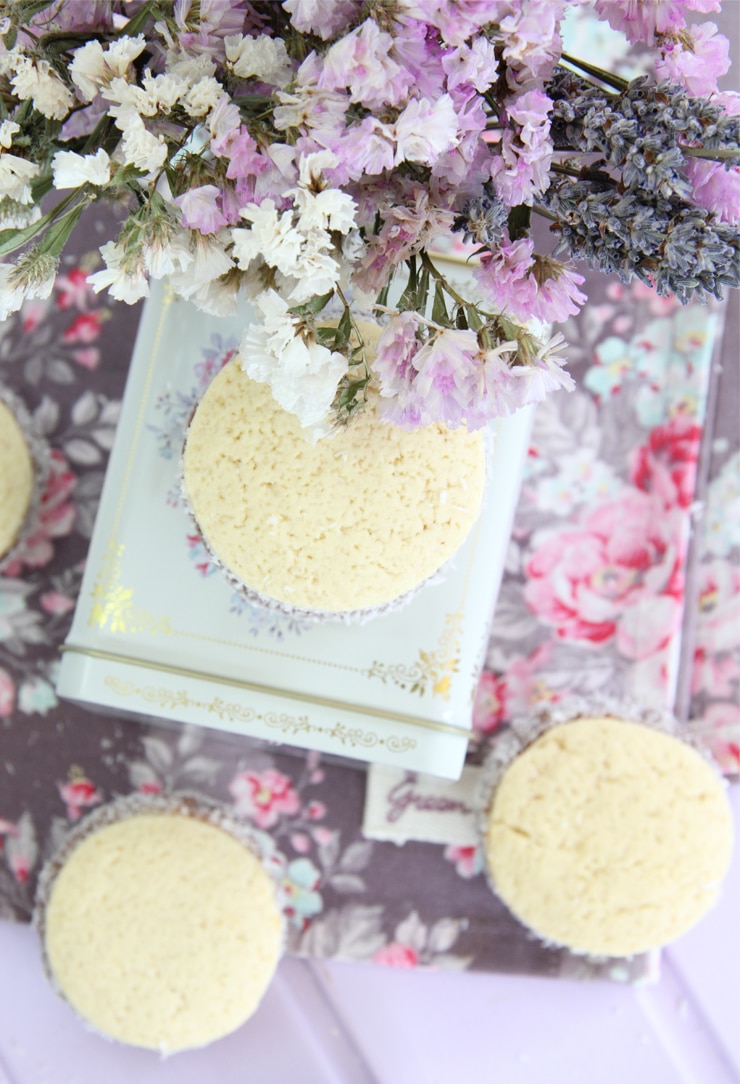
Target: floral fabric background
(594,599)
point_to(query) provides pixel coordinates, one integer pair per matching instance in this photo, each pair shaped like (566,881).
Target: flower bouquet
(308,156)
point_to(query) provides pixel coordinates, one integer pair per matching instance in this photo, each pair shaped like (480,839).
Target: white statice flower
(330,209)
(94,67)
(302,374)
(263,57)
(316,270)
(224,118)
(38,81)
(140,147)
(158,94)
(16,175)
(169,253)
(190,68)
(217,298)
(210,261)
(272,236)
(321,207)
(16,288)
(71,170)
(124,277)
(8,128)
(425,130)
(311,167)
(203,96)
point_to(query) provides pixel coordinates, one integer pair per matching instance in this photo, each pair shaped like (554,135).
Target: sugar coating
(350,522)
(163,931)
(608,836)
(16,479)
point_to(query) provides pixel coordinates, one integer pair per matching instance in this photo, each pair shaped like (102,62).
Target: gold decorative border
(172,699)
(267,690)
(433,670)
(113,604)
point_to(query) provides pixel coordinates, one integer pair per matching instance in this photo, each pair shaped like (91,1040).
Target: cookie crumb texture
(162,931)
(609,837)
(350,522)
(16,479)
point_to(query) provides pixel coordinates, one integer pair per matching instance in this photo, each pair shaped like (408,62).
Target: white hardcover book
(157,632)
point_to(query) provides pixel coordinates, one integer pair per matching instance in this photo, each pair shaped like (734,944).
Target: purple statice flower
(89,15)
(245,158)
(473,65)
(272,183)
(217,19)
(504,275)
(322,18)
(439,380)
(532,43)
(529,286)
(448,377)
(363,149)
(715,187)
(421,56)
(399,342)
(425,130)
(543,375)
(363,62)
(201,209)
(483,218)
(729,100)
(310,107)
(466,167)
(409,224)
(558,296)
(641,20)
(694,59)
(456,22)
(520,168)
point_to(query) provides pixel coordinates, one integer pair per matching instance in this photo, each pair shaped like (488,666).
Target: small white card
(403,805)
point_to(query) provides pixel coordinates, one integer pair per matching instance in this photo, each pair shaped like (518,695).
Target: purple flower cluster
(309,155)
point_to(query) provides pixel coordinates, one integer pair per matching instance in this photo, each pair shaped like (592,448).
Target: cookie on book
(348,525)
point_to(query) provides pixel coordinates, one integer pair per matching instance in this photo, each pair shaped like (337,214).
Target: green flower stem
(12,240)
(355,328)
(609,78)
(719,155)
(59,232)
(138,21)
(439,277)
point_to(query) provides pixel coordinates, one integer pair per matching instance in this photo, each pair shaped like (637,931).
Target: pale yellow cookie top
(351,522)
(162,931)
(608,836)
(16,479)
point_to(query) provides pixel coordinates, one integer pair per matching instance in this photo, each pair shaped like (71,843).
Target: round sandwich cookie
(159,922)
(23,465)
(602,831)
(347,526)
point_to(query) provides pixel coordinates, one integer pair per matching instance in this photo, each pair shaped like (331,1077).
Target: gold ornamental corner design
(228,711)
(432,671)
(113,606)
